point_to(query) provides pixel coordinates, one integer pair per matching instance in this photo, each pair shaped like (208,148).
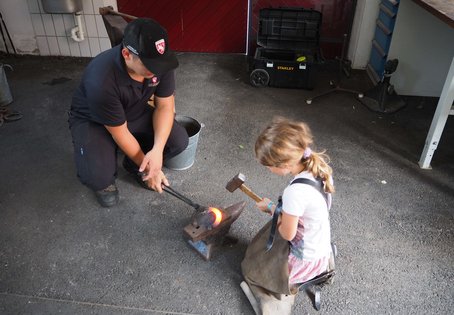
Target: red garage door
(221,25)
(197,25)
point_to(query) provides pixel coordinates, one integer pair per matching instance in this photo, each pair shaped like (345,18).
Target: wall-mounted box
(62,6)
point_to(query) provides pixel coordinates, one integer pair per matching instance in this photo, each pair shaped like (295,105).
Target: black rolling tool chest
(289,48)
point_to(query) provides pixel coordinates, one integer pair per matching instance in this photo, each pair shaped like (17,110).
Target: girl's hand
(264,206)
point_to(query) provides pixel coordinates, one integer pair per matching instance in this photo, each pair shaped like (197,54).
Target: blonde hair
(285,141)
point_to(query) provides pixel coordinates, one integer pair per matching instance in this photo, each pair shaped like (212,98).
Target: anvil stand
(343,64)
(204,240)
(382,98)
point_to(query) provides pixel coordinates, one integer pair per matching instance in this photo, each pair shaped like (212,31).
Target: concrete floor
(62,253)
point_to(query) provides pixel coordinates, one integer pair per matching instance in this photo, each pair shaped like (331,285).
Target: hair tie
(307,153)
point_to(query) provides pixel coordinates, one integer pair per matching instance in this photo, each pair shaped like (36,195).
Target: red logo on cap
(160,46)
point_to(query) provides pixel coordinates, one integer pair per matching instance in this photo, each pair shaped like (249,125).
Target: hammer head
(235,182)
(105,10)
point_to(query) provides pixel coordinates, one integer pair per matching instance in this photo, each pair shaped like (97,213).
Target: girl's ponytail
(317,164)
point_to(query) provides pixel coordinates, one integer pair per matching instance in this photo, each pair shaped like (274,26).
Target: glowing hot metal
(205,237)
(217,215)
(209,225)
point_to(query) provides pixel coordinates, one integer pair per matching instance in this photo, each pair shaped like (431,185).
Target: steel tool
(238,182)
(209,225)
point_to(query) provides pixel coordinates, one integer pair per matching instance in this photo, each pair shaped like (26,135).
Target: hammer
(109,10)
(238,182)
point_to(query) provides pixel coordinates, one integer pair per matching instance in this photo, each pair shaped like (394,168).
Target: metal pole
(439,120)
(7,33)
(4,40)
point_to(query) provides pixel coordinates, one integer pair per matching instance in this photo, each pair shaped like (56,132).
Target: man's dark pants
(95,152)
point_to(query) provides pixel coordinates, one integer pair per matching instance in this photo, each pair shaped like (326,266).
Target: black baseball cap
(148,40)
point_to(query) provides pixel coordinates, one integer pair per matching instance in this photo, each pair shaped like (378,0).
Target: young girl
(284,147)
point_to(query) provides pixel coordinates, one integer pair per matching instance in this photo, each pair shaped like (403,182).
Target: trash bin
(5,92)
(186,159)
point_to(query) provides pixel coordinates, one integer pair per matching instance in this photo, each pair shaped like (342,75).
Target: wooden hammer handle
(250,193)
(110,10)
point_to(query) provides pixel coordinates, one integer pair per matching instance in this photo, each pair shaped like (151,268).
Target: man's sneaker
(135,173)
(129,166)
(139,180)
(108,196)
(142,183)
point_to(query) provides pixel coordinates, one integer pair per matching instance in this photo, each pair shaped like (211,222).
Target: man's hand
(157,181)
(151,164)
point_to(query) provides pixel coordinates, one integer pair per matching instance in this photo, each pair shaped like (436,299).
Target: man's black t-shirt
(109,96)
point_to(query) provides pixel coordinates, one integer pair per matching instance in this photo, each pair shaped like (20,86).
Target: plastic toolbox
(288,52)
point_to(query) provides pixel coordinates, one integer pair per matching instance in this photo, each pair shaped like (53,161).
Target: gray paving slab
(61,253)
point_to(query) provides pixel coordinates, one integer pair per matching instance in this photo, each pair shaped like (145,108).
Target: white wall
(34,31)
(18,21)
(363,32)
(424,46)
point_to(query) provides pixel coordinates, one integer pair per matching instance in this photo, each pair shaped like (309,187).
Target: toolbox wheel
(259,78)
(308,101)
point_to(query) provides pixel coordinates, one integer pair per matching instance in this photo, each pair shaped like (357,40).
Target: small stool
(321,280)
